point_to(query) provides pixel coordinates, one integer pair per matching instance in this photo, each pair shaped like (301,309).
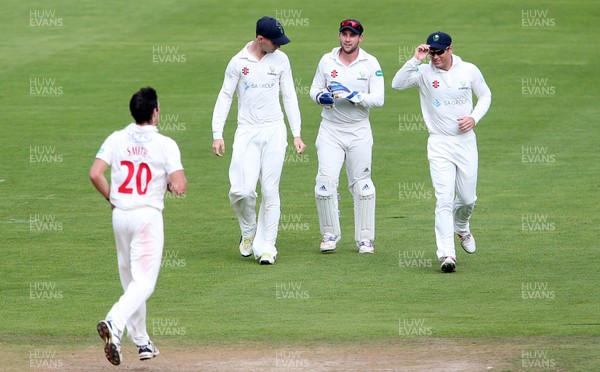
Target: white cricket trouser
(344,144)
(258,155)
(453,164)
(139,237)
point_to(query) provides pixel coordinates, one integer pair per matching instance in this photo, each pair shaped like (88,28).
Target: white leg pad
(327,207)
(363,192)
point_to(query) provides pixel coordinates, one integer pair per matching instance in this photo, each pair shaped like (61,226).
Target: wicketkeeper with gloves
(348,83)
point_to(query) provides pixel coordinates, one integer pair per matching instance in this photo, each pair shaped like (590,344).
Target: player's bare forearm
(177,183)
(99,179)
(299,145)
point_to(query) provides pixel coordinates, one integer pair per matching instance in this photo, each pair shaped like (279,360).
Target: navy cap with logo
(439,40)
(352,25)
(271,29)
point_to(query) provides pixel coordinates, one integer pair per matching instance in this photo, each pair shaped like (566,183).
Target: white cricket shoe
(246,246)
(112,341)
(267,259)
(449,265)
(329,242)
(365,246)
(467,242)
(148,351)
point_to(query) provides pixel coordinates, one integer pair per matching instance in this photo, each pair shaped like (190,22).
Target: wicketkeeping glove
(337,89)
(355,97)
(325,99)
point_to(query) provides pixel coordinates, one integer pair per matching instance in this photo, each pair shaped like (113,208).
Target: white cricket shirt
(140,159)
(257,84)
(446,95)
(364,75)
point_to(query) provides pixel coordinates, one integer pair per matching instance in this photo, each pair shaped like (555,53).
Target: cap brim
(282,40)
(438,46)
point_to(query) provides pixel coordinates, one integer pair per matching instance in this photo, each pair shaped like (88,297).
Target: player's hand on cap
(355,98)
(325,99)
(421,52)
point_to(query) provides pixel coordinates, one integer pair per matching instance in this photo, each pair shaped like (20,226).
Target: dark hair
(142,105)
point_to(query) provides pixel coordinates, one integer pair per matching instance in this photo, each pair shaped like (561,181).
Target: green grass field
(69,68)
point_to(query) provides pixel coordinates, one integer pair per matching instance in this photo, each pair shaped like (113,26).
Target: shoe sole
(327,250)
(449,267)
(147,355)
(266,261)
(368,252)
(111,350)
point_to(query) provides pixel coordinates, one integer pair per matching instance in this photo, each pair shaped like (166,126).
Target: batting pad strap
(327,207)
(363,192)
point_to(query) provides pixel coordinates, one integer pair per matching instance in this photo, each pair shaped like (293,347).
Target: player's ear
(156,114)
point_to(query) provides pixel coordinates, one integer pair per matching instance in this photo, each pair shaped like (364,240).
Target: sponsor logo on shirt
(363,76)
(463,85)
(245,70)
(334,74)
(436,84)
(258,85)
(378,73)
(271,71)
(437,103)
(456,102)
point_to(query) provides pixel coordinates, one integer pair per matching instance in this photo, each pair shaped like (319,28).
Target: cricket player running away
(144,165)
(348,83)
(446,86)
(258,73)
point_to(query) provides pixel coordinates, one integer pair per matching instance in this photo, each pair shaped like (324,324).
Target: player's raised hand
(218,147)
(421,52)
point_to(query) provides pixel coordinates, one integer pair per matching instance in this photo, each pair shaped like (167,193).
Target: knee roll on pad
(325,188)
(364,189)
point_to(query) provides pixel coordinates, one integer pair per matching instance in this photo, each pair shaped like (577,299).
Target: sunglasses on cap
(352,23)
(437,52)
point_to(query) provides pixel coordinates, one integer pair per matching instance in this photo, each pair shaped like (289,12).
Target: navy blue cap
(271,29)
(439,40)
